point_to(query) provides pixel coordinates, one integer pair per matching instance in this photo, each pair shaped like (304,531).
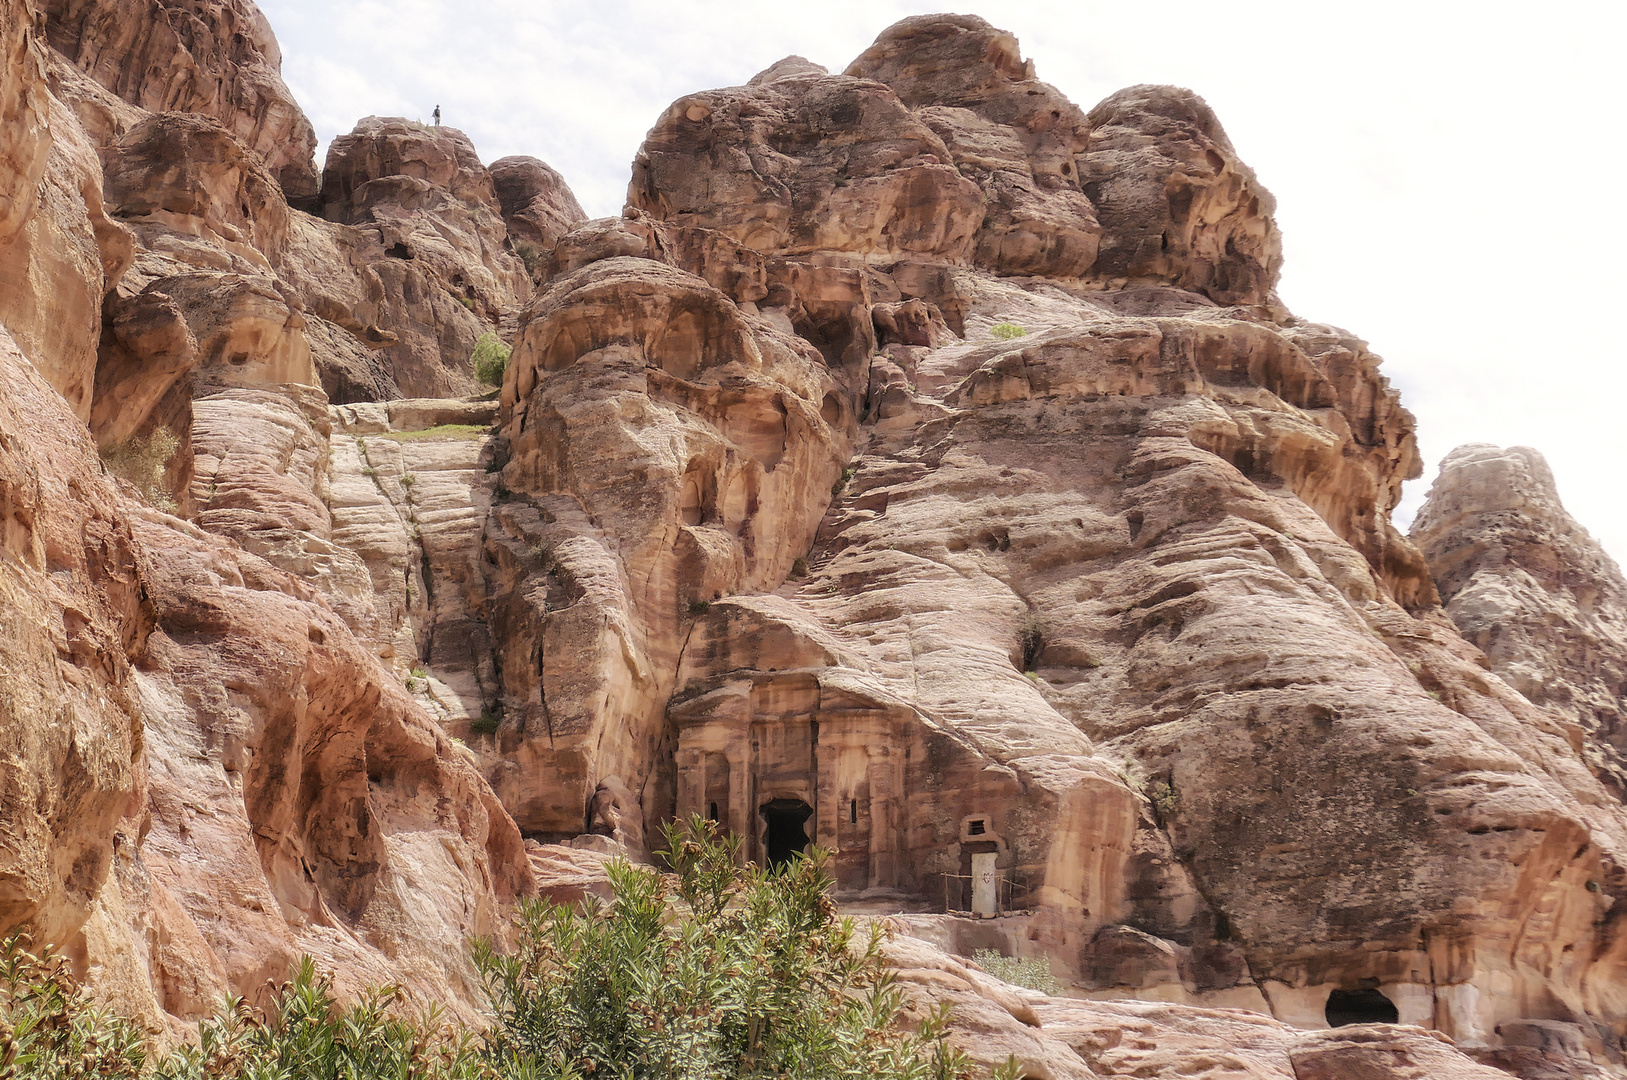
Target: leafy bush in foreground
(307,1036)
(51,1030)
(711,971)
(714,971)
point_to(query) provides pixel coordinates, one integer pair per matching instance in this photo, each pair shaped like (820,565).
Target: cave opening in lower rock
(1359,1007)
(784,835)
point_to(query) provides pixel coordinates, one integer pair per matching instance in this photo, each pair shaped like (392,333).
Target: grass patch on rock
(438,432)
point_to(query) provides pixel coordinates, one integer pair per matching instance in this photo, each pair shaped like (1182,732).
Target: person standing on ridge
(437,116)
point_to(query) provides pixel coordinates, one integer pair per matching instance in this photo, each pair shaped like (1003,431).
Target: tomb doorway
(783,833)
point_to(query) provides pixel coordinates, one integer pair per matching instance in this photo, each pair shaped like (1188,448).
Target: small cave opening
(784,836)
(1360,1007)
(398,251)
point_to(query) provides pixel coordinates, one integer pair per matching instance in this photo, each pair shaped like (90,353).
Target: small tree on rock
(490,359)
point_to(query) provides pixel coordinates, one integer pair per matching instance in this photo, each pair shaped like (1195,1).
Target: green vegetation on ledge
(439,431)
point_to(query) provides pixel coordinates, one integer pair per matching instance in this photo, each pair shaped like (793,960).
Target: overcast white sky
(1448,175)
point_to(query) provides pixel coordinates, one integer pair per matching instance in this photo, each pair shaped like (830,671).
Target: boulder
(1175,203)
(538,206)
(807,162)
(1018,138)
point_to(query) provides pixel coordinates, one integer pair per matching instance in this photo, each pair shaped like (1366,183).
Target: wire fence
(1010,895)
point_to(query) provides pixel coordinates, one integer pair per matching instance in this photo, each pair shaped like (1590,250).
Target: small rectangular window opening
(853,811)
(711,811)
(976,828)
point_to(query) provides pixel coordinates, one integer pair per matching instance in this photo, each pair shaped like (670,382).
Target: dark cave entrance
(1360,1007)
(784,835)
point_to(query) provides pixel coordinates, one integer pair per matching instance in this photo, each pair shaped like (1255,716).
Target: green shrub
(712,971)
(1006,331)
(1033,972)
(530,254)
(490,359)
(306,1035)
(1166,801)
(142,462)
(51,1030)
(486,725)
(699,607)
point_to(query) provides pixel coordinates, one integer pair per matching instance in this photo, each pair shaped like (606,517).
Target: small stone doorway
(985,885)
(783,833)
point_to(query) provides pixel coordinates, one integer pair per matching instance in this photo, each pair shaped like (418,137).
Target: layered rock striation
(218,775)
(1107,592)
(921,465)
(210,715)
(1528,586)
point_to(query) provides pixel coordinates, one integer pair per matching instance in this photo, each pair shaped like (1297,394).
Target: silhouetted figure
(437,116)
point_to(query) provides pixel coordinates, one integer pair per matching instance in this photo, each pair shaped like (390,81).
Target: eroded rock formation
(1527,585)
(538,206)
(1110,596)
(210,716)
(219,59)
(212,775)
(921,465)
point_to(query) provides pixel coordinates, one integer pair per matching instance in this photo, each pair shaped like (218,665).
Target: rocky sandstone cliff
(211,771)
(1111,593)
(210,775)
(921,465)
(218,59)
(1531,589)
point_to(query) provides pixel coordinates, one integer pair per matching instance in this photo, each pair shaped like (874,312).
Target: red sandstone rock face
(1529,586)
(59,253)
(1176,205)
(1019,139)
(176,166)
(1117,602)
(774,521)
(1067,1037)
(807,162)
(938,141)
(218,776)
(198,56)
(538,206)
(425,256)
(677,450)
